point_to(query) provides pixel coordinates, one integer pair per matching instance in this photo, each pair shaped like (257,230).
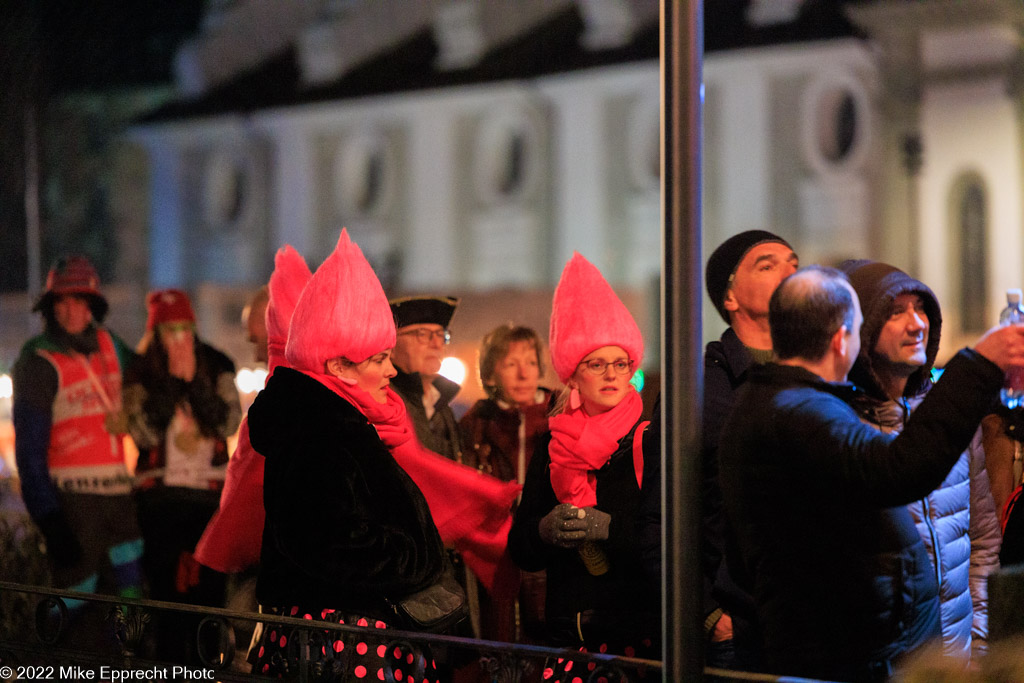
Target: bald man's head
(254,317)
(808,308)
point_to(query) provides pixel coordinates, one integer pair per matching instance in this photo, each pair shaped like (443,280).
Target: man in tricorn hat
(68,437)
(422,323)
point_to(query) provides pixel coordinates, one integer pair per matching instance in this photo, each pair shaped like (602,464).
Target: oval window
(362,173)
(506,158)
(225,191)
(837,125)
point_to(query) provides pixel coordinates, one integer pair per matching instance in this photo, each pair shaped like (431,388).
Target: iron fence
(60,645)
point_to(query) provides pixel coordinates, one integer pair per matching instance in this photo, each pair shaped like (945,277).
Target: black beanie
(726,259)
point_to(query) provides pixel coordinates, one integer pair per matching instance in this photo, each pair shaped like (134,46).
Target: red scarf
(581,444)
(472,511)
(234,535)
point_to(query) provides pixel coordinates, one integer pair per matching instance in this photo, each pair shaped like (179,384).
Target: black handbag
(436,608)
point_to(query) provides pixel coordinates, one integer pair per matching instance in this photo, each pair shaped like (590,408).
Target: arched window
(970,218)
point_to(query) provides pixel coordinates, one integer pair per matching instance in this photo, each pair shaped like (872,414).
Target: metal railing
(54,647)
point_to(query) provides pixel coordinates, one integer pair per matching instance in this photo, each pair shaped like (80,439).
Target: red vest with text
(83,456)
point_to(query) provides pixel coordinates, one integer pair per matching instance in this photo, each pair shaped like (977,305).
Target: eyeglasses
(598,367)
(425,336)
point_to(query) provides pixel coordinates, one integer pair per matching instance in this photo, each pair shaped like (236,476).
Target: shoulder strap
(638,452)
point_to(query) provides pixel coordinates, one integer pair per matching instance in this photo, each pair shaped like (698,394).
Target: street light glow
(250,381)
(453,369)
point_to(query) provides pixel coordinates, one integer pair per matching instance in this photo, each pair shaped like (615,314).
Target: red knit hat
(73,275)
(286,284)
(168,305)
(586,315)
(342,312)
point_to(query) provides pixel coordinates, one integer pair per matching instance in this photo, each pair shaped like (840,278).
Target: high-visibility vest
(83,456)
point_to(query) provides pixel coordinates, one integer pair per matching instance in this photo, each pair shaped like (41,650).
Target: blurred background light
(454,369)
(250,381)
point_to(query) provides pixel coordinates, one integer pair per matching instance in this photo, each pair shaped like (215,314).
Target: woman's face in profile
(373,375)
(517,375)
(602,378)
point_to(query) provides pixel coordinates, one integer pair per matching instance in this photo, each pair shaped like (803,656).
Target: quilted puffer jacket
(960,529)
(957,521)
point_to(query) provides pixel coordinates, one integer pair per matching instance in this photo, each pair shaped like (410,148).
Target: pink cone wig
(290,276)
(342,312)
(586,314)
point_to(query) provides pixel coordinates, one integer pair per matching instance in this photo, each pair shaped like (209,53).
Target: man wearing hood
(842,592)
(957,522)
(68,437)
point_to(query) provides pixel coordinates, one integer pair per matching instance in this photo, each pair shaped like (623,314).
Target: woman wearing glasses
(580,514)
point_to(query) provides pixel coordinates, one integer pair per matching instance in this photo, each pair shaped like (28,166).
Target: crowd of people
(853,504)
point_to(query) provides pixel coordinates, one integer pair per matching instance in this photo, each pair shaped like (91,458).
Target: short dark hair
(495,347)
(807,309)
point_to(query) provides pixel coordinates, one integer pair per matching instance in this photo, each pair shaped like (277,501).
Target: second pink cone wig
(586,314)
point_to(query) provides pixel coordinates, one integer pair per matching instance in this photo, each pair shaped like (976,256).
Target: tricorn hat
(423,310)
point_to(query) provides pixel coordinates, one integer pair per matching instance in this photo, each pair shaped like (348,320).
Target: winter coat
(726,366)
(959,527)
(494,434)
(152,396)
(624,598)
(439,432)
(346,527)
(957,522)
(842,583)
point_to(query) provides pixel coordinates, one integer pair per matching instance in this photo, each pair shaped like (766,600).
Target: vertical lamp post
(682,47)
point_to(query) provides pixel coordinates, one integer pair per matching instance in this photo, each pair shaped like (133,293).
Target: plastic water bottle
(1012,393)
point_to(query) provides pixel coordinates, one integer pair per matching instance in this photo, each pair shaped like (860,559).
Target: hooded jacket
(957,521)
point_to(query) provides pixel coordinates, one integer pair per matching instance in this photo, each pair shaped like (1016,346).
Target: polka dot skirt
(568,670)
(337,656)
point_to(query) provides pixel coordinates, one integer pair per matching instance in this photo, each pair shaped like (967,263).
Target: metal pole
(682,47)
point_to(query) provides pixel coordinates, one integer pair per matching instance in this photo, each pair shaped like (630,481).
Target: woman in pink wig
(231,542)
(347,530)
(581,509)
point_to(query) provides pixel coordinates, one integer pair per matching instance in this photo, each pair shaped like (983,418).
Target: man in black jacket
(422,323)
(804,483)
(741,275)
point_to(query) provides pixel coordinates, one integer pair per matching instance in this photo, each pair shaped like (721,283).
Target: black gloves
(61,544)
(567,526)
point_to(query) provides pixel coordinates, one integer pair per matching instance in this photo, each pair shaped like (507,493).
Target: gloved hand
(597,524)
(61,544)
(565,526)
